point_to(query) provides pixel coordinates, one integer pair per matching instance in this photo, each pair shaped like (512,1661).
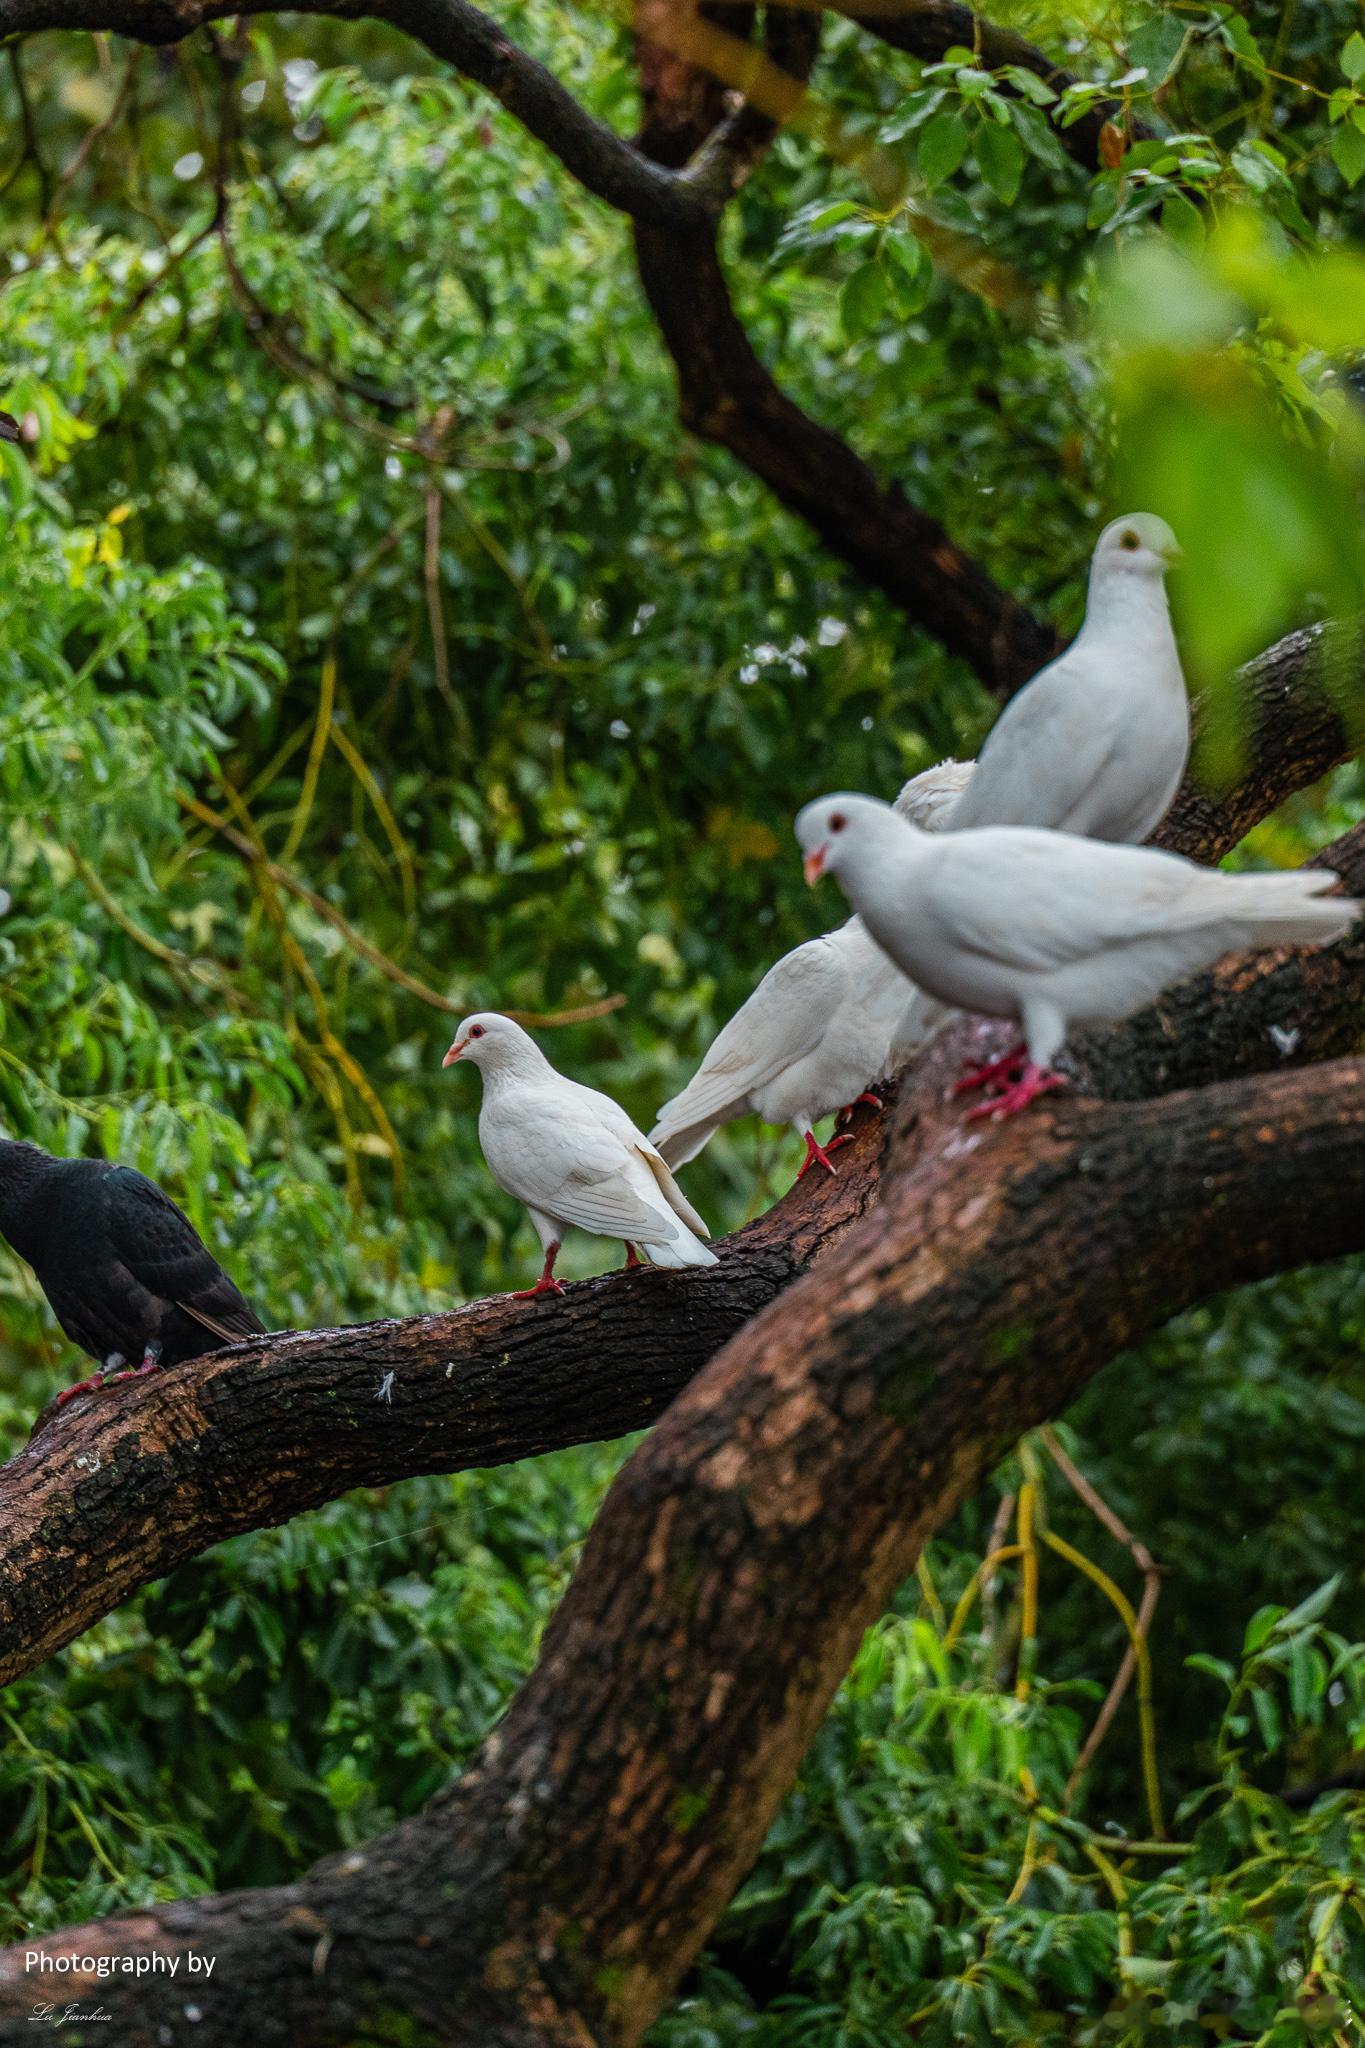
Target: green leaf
(1307,1680)
(1155,46)
(1269,1720)
(1234,33)
(1311,1609)
(1259,1627)
(1182,221)
(906,253)
(1353,55)
(812,218)
(862,300)
(1000,159)
(1214,1666)
(910,274)
(1348,151)
(942,147)
(909,295)
(1029,83)
(1149,1971)
(1036,133)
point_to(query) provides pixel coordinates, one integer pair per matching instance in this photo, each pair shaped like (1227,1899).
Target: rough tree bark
(1301,703)
(554,1896)
(120,1487)
(765,1524)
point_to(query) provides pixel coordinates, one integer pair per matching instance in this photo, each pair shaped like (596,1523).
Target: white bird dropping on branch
(1097,742)
(815,1035)
(1048,928)
(572,1155)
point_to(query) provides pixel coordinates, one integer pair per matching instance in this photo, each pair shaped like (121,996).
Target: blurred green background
(366,617)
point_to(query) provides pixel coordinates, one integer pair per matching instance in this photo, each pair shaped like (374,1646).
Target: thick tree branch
(728,396)
(1296,704)
(118,1489)
(456,31)
(558,1891)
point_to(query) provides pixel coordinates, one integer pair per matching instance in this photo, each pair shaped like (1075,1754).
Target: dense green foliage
(359,526)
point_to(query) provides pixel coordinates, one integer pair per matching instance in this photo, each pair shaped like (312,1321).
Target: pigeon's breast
(509,1139)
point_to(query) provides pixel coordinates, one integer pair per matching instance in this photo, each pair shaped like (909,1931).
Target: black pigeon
(128,1276)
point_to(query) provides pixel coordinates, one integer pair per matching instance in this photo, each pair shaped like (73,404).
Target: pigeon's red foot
(816,1151)
(547,1284)
(1032,1082)
(873,1102)
(633,1258)
(1006,1069)
(151,1359)
(90,1386)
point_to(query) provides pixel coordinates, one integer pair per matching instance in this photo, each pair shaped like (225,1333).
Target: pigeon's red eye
(837,821)
(1129,540)
(476,1031)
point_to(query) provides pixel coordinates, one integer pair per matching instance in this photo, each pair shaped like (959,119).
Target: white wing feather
(541,1148)
(1041,761)
(1038,902)
(765,1035)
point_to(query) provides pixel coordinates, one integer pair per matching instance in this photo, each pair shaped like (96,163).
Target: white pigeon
(572,1155)
(815,1035)
(1097,742)
(1048,928)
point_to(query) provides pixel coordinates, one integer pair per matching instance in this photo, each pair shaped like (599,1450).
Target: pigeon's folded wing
(1041,761)
(164,1253)
(581,1173)
(1040,902)
(774,1028)
(668,1187)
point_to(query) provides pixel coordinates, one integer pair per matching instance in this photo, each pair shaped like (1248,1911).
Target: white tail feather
(685,1250)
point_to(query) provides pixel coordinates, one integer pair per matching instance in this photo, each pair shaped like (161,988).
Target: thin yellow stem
(1138,1643)
(1028,1588)
(322,726)
(1118,1891)
(964,1605)
(364,775)
(924,1579)
(1027,1867)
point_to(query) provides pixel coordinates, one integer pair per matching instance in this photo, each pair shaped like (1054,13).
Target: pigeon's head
(837,833)
(490,1041)
(1139,544)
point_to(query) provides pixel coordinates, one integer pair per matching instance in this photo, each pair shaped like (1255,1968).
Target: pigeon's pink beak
(454,1052)
(814,865)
